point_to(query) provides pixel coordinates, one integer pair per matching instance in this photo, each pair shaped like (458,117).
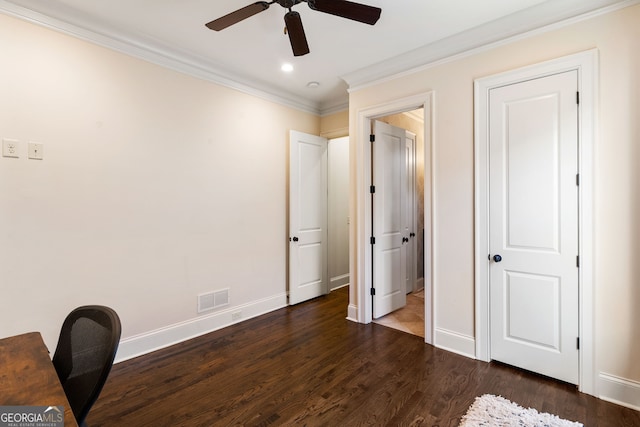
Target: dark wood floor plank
(308,365)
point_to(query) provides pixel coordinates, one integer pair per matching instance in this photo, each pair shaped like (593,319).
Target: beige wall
(617,177)
(154,187)
(335,125)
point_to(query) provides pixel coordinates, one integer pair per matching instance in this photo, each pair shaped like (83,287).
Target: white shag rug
(495,411)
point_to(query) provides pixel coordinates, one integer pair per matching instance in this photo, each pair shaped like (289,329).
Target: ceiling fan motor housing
(288,4)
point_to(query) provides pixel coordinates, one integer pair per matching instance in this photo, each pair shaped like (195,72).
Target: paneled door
(388,240)
(533,225)
(308,272)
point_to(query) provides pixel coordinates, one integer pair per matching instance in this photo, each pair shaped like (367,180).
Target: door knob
(295,239)
(405,239)
(497,258)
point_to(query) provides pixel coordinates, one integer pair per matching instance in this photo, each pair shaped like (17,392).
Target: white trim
(327,109)
(352,313)
(338,282)
(363,202)
(504,31)
(523,24)
(336,133)
(430,220)
(414,116)
(454,342)
(174,60)
(173,334)
(620,391)
(585,63)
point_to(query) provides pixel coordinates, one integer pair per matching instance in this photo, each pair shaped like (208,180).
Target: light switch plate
(36,150)
(10,147)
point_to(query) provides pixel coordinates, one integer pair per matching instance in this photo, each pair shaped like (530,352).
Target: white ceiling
(409,34)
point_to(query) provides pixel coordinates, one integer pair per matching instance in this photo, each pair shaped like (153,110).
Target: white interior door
(389,261)
(308,274)
(533,222)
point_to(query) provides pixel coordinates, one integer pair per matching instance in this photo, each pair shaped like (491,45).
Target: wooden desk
(27,376)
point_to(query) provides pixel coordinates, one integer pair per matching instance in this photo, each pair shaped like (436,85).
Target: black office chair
(84,355)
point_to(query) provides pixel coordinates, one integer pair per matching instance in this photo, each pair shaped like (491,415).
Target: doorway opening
(338,213)
(318,255)
(410,317)
(361,306)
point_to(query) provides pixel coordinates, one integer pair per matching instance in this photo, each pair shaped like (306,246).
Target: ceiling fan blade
(237,16)
(296,33)
(347,9)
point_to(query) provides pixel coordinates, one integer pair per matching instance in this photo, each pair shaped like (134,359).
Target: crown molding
(414,115)
(338,107)
(151,52)
(542,18)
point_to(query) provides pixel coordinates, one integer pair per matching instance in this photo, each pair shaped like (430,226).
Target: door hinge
(578,261)
(373,291)
(372,189)
(578,343)
(577,97)
(372,240)
(578,179)
(372,138)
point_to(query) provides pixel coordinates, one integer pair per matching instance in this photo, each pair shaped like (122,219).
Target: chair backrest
(84,355)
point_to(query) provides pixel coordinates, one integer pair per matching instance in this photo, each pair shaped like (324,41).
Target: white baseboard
(338,282)
(352,313)
(620,391)
(164,337)
(454,342)
(611,388)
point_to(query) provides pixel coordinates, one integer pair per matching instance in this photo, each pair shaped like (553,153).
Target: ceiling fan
(343,8)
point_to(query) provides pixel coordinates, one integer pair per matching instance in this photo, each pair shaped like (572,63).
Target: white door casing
(533,225)
(308,273)
(585,64)
(360,304)
(389,182)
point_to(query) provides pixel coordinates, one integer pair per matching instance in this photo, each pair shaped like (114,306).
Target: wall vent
(210,300)
(221,298)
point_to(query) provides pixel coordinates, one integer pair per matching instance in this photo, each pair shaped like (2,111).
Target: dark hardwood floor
(308,365)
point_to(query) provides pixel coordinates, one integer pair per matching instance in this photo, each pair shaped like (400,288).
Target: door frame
(363,310)
(585,63)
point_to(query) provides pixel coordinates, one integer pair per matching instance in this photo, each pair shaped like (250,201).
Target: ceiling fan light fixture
(293,23)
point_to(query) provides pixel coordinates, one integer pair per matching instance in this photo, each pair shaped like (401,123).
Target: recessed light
(286,67)
(313,85)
